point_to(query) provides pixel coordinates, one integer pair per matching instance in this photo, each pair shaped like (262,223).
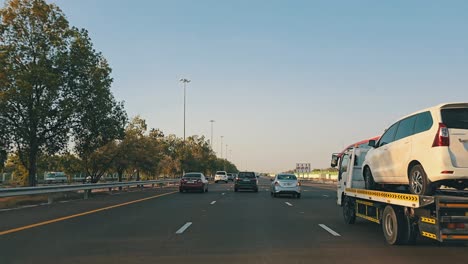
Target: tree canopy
(53,84)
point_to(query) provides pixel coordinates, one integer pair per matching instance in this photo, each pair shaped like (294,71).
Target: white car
(285,184)
(424,150)
(221,176)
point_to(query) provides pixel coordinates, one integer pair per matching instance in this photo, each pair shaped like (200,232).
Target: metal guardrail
(8,192)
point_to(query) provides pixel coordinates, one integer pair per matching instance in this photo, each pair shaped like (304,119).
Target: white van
(424,150)
(53,177)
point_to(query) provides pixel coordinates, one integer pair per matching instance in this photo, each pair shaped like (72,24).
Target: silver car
(285,184)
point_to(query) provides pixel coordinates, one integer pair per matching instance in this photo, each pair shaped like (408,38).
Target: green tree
(52,82)
(100,118)
(36,104)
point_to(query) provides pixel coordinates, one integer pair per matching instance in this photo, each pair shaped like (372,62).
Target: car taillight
(442,138)
(183,181)
(298,184)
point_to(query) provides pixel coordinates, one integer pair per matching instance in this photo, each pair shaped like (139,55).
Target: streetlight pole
(184,81)
(211,142)
(221,152)
(226,152)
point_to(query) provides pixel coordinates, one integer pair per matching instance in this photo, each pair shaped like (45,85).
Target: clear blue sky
(286,81)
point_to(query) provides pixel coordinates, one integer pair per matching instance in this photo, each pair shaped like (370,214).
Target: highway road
(221,226)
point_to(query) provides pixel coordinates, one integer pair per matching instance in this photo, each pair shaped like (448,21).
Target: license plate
(191,181)
(246,180)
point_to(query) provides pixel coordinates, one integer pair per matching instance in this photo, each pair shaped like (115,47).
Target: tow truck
(403,216)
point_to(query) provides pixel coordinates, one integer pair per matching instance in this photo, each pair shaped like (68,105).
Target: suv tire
(419,184)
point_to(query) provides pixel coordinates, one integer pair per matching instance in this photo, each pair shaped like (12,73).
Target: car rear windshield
(246,175)
(287,177)
(221,173)
(192,175)
(455,117)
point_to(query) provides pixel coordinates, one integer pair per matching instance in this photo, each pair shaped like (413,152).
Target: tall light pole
(184,81)
(226,152)
(221,152)
(211,142)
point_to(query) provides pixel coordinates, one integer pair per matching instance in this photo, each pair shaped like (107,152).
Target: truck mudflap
(450,222)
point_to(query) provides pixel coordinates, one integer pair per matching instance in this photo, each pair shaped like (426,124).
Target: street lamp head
(184,80)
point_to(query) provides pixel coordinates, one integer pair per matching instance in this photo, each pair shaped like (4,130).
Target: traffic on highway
(202,131)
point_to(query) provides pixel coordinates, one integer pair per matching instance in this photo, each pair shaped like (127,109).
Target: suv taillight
(442,138)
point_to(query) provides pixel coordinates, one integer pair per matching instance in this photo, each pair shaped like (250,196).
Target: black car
(246,180)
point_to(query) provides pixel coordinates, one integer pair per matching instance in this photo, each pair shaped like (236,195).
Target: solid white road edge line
(288,203)
(213,202)
(329,230)
(183,228)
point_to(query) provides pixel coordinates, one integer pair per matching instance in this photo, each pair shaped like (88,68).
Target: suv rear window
(455,117)
(220,173)
(246,175)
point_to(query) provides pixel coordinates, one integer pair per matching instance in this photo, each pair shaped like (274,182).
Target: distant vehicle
(246,180)
(424,150)
(231,176)
(54,177)
(285,184)
(193,181)
(221,176)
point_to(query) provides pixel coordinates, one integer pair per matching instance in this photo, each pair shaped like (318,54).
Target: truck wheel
(369,180)
(349,211)
(419,184)
(394,226)
(410,231)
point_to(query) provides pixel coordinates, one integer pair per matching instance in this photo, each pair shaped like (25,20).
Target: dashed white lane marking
(183,228)
(213,202)
(223,194)
(325,195)
(288,203)
(329,230)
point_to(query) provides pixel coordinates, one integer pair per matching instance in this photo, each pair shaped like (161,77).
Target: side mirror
(334,160)
(371,143)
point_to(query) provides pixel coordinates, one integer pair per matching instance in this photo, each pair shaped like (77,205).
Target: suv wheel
(419,183)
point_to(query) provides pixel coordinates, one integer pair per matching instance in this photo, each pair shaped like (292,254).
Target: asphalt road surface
(164,226)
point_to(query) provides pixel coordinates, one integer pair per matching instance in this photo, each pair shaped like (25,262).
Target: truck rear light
(456,225)
(442,138)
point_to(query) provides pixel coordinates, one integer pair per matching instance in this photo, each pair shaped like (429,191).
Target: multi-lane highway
(221,226)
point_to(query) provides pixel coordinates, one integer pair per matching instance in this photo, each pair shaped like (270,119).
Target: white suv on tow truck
(424,150)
